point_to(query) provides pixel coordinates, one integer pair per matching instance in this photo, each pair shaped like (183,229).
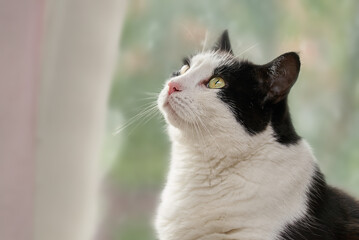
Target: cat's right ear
(278,76)
(223,43)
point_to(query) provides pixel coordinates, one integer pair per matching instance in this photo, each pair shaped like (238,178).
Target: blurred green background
(156,36)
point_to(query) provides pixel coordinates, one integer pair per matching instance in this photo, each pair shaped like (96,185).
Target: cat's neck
(230,142)
(235,151)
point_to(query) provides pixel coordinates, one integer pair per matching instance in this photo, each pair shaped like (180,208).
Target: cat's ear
(278,76)
(223,43)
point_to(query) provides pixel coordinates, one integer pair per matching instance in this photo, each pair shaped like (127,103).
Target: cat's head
(216,92)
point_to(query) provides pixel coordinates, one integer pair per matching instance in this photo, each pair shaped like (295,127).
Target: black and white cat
(238,169)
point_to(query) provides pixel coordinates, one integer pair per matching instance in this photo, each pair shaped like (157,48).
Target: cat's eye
(184,69)
(216,82)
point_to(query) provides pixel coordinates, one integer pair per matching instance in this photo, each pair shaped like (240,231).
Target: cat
(238,168)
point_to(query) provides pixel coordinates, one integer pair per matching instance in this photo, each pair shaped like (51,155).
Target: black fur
(257,94)
(331,215)
(244,94)
(223,43)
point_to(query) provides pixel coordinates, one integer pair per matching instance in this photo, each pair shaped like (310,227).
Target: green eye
(216,82)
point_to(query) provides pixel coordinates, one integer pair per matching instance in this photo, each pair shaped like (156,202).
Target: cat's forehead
(203,65)
(212,59)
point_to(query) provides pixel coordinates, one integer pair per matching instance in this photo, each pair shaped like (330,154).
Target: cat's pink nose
(174,87)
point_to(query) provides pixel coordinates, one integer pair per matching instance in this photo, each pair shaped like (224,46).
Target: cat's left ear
(223,43)
(278,76)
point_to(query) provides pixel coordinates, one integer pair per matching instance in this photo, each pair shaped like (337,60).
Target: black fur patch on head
(257,94)
(245,96)
(331,215)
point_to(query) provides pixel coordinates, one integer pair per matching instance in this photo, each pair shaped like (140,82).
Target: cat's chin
(172,117)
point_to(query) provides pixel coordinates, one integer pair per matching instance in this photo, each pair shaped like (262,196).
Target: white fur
(222,182)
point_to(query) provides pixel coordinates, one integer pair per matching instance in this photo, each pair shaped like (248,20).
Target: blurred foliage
(135,229)
(157,34)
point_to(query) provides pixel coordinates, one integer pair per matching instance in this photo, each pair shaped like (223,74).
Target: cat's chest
(233,199)
(222,207)
(226,209)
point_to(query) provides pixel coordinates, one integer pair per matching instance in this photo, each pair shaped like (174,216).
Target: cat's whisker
(144,110)
(151,93)
(248,49)
(152,98)
(200,134)
(210,134)
(145,106)
(146,118)
(148,96)
(145,96)
(197,126)
(132,120)
(143,121)
(204,43)
(206,151)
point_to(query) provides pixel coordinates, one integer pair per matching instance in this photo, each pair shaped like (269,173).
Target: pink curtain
(57,58)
